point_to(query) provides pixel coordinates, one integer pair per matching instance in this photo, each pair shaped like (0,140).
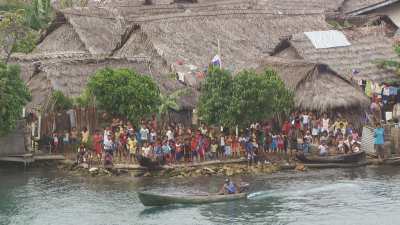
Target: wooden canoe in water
(154,199)
(344,158)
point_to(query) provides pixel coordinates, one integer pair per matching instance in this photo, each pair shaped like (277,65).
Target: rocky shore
(180,171)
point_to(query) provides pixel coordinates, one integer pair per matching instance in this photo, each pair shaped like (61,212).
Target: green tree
(12,32)
(61,102)
(248,97)
(215,96)
(125,93)
(168,102)
(13,97)
(393,65)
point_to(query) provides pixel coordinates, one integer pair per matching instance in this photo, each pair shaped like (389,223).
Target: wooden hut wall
(60,122)
(183,116)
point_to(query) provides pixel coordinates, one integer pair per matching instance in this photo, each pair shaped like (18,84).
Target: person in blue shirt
(379,141)
(229,187)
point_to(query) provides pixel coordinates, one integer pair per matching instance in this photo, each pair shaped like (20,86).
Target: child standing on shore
(132,145)
(280,143)
(274,143)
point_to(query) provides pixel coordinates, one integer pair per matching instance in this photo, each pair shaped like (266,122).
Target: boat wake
(311,190)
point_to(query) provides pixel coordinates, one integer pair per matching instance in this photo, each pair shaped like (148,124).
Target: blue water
(339,196)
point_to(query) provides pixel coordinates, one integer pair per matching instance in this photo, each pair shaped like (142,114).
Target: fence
(62,121)
(392,138)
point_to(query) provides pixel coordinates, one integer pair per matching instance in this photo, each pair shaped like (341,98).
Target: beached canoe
(150,163)
(344,158)
(155,199)
(395,161)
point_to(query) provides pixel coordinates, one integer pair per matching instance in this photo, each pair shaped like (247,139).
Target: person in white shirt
(325,123)
(170,134)
(323,149)
(144,133)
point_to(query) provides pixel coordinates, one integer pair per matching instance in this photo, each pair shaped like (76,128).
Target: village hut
(356,59)
(359,7)
(373,11)
(186,43)
(70,76)
(317,88)
(83,40)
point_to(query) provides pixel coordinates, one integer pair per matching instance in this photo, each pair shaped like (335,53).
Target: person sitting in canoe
(229,188)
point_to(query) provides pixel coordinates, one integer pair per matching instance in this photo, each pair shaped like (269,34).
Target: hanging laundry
(181,77)
(393,90)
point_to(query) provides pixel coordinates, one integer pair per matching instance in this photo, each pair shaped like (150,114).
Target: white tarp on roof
(327,39)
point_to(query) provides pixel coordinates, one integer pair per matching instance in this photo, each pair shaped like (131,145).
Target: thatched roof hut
(316,87)
(93,30)
(70,76)
(357,61)
(240,36)
(357,7)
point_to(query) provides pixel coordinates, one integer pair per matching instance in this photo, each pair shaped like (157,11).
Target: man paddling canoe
(229,188)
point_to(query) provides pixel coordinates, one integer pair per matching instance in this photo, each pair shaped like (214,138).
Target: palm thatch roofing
(316,87)
(357,7)
(193,38)
(131,8)
(93,30)
(70,76)
(357,61)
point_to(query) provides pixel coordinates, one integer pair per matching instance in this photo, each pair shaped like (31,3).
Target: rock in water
(93,169)
(148,174)
(300,167)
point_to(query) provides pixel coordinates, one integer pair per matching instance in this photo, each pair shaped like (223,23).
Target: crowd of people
(175,143)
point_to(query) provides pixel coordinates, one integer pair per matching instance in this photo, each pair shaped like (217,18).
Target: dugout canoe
(395,161)
(344,158)
(150,163)
(156,199)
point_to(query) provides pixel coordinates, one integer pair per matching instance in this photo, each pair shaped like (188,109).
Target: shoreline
(225,168)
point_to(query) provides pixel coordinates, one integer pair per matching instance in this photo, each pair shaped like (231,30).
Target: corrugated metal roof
(327,39)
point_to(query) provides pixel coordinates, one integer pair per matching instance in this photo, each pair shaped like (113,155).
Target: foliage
(86,99)
(248,97)
(340,25)
(170,101)
(256,97)
(13,96)
(12,32)
(21,25)
(391,64)
(60,101)
(215,96)
(37,14)
(125,93)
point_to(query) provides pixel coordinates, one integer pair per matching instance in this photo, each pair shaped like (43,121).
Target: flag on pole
(216,61)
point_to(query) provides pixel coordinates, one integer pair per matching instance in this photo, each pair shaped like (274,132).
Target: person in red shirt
(286,128)
(98,147)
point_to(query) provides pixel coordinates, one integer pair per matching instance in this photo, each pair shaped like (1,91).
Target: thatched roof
(135,8)
(94,30)
(316,86)
(357,7)
(244,36)
(71,75)
(368,46)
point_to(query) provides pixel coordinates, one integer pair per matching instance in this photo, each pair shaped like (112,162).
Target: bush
(61,102)
(125,93)
(13,97)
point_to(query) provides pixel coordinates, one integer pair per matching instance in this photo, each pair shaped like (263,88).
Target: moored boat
(150,163)
(344,158)
(155,199)
(392,161)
